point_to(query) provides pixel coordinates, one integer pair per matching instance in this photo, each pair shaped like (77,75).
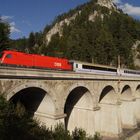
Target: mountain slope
(95,32)
(58,26)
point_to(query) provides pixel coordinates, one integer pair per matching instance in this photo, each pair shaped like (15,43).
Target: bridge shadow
(71,101)
(29,98)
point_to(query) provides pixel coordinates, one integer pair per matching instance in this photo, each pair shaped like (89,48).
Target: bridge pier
(137,109)
(81,118)
(128,114)
(108,118)
(49,120)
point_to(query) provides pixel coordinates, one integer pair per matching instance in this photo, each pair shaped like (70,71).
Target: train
(15,58)
(20,59)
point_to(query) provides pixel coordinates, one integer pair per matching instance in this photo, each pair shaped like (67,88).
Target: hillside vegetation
(92,33)
(112,33)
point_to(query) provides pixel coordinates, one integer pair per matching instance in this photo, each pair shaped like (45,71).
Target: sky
(25,16)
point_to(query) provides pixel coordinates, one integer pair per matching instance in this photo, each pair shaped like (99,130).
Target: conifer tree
(4,35)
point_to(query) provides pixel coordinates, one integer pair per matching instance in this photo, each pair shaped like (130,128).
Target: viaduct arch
(99,102)
(79,107)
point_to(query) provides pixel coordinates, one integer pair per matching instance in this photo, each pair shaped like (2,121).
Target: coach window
(76,65)
(8,56)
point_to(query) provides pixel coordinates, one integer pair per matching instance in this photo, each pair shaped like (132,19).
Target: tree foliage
(100,41)
(17,124)
(4,35)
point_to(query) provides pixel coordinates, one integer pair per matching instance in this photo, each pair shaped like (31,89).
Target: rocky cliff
(58,27)
(96,31)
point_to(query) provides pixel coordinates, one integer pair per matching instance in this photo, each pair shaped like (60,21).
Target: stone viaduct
(97,103)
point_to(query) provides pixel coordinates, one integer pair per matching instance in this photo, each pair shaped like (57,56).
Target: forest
(112,34)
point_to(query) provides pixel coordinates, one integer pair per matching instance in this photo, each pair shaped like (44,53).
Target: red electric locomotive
(9,57)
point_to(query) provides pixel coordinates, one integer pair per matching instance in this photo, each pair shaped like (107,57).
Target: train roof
(23,53)
(91,64)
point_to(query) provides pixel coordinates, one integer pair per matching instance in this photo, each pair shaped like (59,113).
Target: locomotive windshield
(8,56)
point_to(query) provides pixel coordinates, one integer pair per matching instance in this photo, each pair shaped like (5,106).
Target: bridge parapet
(26,73)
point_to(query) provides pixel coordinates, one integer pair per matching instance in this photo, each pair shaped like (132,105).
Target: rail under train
(20,59)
